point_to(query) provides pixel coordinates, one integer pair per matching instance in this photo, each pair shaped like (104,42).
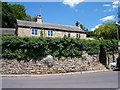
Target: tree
(12,12)
(90,34)
(82,27)
(106,31)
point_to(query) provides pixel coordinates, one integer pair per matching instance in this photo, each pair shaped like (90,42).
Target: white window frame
(78,35)
(50,33)
(34,32)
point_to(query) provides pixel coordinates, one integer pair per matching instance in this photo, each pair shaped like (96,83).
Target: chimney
(78,24)
(39,19)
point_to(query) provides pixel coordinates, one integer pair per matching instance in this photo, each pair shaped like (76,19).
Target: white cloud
(72,3)
(115,4)
(108,18)
(106,5)
(92,29)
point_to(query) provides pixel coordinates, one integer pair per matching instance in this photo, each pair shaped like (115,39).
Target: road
(107,79)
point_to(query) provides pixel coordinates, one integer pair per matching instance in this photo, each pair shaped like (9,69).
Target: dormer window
(34,32)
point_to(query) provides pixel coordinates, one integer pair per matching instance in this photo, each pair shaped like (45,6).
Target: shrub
(14,47)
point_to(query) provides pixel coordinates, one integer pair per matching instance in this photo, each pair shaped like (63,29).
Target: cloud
(72,3)
(106,5)
(92,29)
(108,18)
(115,4)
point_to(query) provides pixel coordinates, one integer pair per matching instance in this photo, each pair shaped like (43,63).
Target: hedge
(26,48)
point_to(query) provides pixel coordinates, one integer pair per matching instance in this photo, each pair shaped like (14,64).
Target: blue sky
(90,14)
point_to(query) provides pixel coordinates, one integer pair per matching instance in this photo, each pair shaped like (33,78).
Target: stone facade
(26,28)
(64,65)
(23,32)
(27,32)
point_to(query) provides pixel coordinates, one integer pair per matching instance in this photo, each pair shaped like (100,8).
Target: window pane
(51,33)
(33,31)
(77,35)
(48,32)
(68,34)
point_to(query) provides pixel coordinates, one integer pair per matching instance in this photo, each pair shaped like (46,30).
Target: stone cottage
(41,29)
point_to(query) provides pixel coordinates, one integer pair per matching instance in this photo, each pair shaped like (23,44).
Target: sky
(67,12)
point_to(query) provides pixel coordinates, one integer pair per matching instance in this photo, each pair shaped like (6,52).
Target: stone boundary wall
(61,66)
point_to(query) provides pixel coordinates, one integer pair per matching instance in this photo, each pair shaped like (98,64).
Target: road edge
(58,74)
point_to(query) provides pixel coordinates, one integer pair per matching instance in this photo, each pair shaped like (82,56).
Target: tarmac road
(108,79)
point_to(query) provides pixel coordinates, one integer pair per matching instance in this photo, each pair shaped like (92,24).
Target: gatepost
(118,35)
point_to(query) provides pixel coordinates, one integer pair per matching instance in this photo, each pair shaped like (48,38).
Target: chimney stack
(78,24)
(39,19)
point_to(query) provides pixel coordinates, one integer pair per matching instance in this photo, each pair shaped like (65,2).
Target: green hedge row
(14,47)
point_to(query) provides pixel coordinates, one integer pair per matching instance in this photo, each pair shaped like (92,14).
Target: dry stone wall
(60,66)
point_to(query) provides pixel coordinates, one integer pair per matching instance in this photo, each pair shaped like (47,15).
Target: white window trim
(78,35)
(50,34)
(34,32)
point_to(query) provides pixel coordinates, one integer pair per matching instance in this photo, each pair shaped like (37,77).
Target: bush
(27,48)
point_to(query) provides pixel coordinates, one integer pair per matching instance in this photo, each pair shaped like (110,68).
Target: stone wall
(61,34)
(23,32)
(28,32)
(60,66)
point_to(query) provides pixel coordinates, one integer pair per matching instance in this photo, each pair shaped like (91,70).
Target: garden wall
(24,55)
(61,66)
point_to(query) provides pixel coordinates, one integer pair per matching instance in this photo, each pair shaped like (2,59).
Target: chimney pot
(78,24)
(39,19)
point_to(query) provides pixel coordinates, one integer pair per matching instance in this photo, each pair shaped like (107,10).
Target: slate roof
(7,31)
(59,27)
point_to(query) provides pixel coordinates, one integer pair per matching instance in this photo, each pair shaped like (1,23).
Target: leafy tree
(106,31)
(29,18)
(90,34)
(83,27)
(12,12)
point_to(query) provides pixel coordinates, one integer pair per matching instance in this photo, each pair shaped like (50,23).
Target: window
(34,32)
(50,32)
(68,34)
(78,35)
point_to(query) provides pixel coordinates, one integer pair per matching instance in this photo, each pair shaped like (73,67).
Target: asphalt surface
(107,79)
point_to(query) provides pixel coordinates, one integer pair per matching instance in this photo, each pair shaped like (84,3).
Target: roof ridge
(46,23)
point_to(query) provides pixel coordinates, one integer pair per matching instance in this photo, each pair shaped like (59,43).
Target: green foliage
(41,33)
(90,34)
(11,12)
(14,47)
(106,31)
(84,28)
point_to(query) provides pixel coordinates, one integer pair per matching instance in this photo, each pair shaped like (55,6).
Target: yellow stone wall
(23,32)
(28,32)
